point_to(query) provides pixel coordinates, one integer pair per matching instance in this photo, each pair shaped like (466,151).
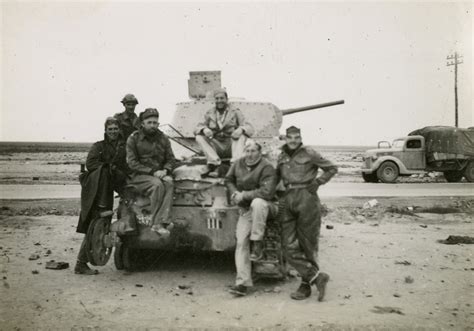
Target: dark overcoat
(105,161)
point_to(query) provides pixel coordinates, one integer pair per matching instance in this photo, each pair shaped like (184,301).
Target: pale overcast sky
(65,66)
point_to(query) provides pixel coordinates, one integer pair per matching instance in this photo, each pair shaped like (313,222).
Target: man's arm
(328,167)
(243,123)
(202,125)
(133,159)
(93,160)
(266,183)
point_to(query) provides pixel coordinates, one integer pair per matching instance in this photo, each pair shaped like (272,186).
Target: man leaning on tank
(151,159)
(223,132)
(251,182)
(300,213)
(107,171)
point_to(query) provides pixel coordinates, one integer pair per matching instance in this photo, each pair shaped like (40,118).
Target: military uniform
(257,183)
(300,212)
(222,125)
(128,123)
(146,155)
(107,172)
(128,120)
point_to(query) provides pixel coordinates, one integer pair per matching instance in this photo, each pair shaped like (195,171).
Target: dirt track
(368,254)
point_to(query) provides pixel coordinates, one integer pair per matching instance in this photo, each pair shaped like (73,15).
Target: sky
(66,65)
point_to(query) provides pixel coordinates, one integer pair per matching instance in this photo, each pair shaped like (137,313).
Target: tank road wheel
(370,178)
(118,256)
(453,176)
(99,242)
(469,172)
(387,172)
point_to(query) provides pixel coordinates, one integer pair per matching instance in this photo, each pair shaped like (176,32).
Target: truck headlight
(374,157)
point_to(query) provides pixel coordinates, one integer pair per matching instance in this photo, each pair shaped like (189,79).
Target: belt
(296,186)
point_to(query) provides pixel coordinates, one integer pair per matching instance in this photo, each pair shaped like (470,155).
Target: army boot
(321,279)
(303,292)
(82,268)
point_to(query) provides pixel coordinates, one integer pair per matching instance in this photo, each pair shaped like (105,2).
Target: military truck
(443,149)
(203,219)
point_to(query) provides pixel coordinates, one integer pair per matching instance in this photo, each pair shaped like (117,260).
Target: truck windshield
(398,143)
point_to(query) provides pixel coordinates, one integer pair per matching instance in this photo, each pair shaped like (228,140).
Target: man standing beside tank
(251,181)
(223,132)
(128,119)
(107,172)
(300,213)
(151,159)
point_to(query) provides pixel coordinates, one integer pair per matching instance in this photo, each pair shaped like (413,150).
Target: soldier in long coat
(107,171)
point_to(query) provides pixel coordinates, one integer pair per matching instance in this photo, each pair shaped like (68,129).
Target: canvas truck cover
(447,139)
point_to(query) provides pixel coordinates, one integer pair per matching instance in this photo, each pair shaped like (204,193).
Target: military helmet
(129,98)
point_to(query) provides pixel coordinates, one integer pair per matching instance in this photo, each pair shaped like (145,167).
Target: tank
(203,219)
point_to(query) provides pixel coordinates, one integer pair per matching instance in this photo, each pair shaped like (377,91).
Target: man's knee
(259,204)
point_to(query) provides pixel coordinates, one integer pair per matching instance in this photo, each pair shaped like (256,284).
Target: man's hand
(160,173)
(313,187)
(207,132)
(237,197)
(237,133)
(167,179)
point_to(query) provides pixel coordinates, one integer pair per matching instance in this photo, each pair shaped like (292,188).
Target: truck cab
(404,157)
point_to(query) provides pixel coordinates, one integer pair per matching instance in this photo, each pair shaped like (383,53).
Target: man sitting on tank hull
(222,133)
(107,172)
(151,159)
(251,181)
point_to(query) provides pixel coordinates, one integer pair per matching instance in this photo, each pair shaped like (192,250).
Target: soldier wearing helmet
(128,120)
(223,132)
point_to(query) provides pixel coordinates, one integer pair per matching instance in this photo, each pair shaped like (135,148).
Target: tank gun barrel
(305,108)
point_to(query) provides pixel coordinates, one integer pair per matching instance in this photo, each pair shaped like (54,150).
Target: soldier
(223,132)
(251,182)
(107,172)
(128,120)
(151,159)
(300,210)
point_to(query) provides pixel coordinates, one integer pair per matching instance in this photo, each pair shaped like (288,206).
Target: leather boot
(321,280)
(82,268)
(303,292)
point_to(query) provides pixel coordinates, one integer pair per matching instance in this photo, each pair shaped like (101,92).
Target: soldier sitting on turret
(222,133)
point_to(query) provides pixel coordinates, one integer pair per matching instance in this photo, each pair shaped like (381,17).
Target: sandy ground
(374,257)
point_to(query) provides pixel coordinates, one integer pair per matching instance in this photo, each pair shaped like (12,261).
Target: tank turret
(265,117)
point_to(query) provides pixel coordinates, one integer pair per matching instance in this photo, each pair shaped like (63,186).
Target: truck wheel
(469,172)
(387,172)
(453,176)
(370,178)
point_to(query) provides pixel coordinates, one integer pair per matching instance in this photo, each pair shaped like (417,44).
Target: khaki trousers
(216,149)
(250,226)
(160,193)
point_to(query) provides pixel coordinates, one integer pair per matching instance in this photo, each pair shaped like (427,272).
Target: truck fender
(401,167)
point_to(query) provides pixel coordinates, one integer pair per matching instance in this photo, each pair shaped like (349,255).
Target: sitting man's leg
(161,198)
(238,146)
(260,209)
(209,150)
(104,198)
(242,254)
